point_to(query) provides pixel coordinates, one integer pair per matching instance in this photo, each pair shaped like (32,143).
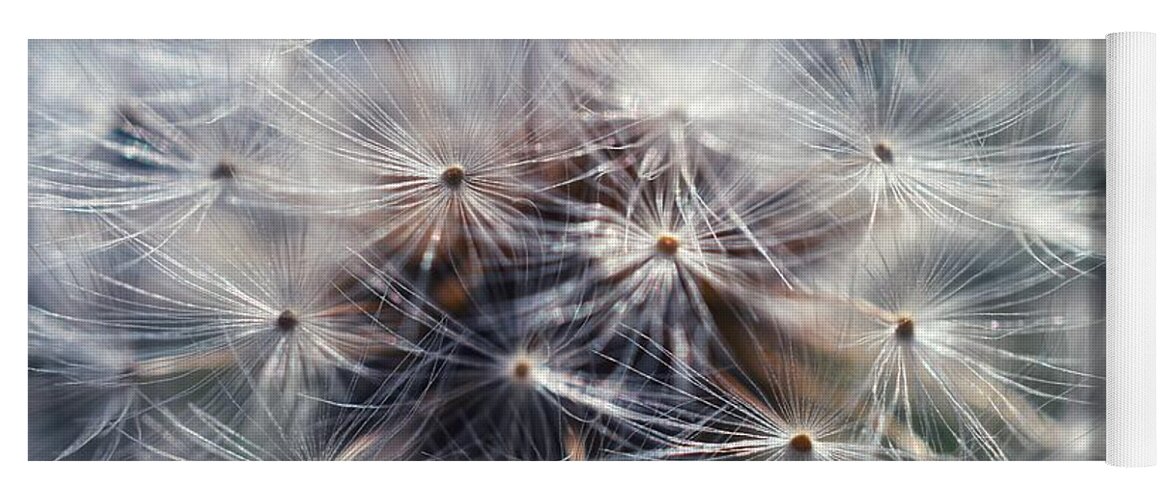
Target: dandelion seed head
(381,249)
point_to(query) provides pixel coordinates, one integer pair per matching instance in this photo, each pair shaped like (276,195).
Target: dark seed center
(521,370)
(224,170)
(905,329)
(453,176)
(667,244)
(801,443)
(883,153)
(287,321)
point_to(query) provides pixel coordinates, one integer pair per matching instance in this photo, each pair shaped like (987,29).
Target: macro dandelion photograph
(545,250)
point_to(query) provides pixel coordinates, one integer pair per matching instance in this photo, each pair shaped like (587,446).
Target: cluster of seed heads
(546,250)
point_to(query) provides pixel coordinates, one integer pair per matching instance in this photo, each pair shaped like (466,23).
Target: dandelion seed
(887,129)
(952,333)
(523,379)
(269,321)
(666,252)
(440,163)
(776,406)
(166,168)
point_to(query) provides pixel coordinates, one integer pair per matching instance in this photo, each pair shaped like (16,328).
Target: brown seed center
(883,152)
(905,329)
(453,176)
(521,370)
(287,321)
(667,244)
(801,443)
